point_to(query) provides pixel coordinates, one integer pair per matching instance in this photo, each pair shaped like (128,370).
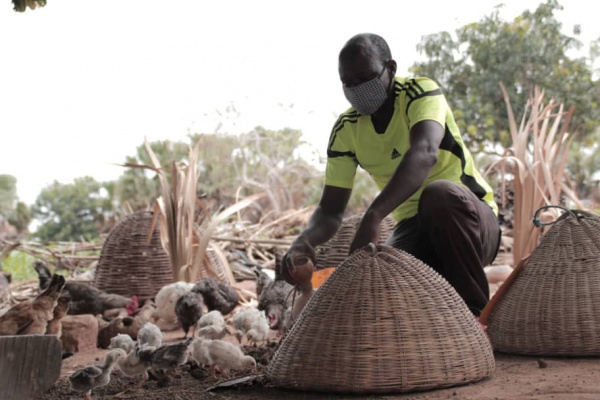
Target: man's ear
(393,67)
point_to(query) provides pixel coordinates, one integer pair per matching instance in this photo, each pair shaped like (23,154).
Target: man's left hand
(368,232)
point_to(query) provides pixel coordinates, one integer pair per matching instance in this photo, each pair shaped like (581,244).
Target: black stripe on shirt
(351,118)
(435,92)
(451,145)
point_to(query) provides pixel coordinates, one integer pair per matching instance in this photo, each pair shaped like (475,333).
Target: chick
(166,357)
(243,320)
(89,378)
(149,335)
(259,330)
(31,317)
(217,295)
(54,327)
(212,326)
(223,355)
(165,302)
(275,299)
(122,341)
(189,310)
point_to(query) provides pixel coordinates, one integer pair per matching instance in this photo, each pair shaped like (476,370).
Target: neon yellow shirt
(355,142)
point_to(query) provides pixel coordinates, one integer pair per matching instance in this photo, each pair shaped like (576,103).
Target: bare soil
(515,378)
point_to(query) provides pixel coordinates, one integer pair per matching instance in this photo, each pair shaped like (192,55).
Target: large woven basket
(383,322)
(131,265)
(335,251)
(552,306)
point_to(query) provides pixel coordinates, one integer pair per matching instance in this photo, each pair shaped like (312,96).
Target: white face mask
(367,97)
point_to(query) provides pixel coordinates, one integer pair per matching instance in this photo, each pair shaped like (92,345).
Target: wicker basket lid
(552,306)
(129,264)
(383,322)
(335,251)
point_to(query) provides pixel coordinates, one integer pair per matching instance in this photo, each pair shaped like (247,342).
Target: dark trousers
(456,234)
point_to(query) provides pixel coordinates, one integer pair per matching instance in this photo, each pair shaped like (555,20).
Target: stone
(79,333)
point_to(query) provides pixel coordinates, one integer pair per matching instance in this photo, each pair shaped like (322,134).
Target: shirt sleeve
(427,102)
(341,163)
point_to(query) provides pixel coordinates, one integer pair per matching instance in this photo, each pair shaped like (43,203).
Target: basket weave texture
(553,306)
(383,322)
(129,264)
(335,251)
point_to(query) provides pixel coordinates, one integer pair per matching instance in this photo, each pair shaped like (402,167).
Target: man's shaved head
(366,44)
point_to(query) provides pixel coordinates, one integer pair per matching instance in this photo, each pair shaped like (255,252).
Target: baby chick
(89,378)
(149,335)
(212,326)
(223,355)
(166,357)
(122,341)
(259,330)
(217,295)
(188,309)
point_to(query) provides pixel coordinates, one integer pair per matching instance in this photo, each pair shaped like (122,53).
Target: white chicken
(122,341)
(165,304)
(149,335)
(221,355)
(250,322)
(212,326)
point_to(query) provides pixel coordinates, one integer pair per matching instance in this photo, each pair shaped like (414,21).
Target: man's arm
(425,139)
(323,224)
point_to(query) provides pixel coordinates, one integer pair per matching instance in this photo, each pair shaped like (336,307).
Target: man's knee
(441,196)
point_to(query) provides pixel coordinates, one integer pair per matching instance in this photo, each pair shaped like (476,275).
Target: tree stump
(29,365)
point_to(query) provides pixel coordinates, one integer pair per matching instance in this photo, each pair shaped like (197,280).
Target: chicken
(189,310)
(244,320)
(166,357)
(85,299)
(259,330)
(149,335)
(122,341)
(217,295)
(275,300)
(165,303)
(212,326)
(263,279)
(54,327)
(220,354)
(87,379)
(31,317)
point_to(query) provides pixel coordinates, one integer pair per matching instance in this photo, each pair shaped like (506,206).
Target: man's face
(361,65)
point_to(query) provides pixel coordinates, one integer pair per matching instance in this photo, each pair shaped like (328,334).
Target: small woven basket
(383,322)
(552,306)
(335,251)
(129,264)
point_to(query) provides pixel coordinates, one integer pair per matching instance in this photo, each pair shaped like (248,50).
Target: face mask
(367,97)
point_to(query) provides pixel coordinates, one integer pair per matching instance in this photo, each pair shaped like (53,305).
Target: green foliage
(20,265)
(529,51)
(8,195)
(68,212)
(20,217)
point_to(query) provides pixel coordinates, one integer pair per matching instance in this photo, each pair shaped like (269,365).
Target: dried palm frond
(537,160)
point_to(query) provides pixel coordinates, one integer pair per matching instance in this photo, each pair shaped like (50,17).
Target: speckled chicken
(212,326)
(217,295)
(87,379)
(31,317)
(222,355)
(276,301)
(54,327)
(85,299)
(189,311)
(166,357)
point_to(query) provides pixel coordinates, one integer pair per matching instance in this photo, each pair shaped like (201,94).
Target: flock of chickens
(206,312)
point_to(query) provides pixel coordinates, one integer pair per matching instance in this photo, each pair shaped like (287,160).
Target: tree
(529,51)
(68,212)
(8,195)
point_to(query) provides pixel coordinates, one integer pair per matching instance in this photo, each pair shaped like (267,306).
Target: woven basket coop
(335,251)
(383,322)
(130,264)
(552,306)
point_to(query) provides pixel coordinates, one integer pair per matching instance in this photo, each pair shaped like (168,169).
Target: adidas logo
(395,154)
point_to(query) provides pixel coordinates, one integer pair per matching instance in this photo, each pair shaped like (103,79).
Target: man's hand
(368,232)
(299,248)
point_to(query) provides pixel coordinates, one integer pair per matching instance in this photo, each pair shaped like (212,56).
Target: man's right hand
(299,248)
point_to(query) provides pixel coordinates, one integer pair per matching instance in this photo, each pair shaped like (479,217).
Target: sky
(83,83)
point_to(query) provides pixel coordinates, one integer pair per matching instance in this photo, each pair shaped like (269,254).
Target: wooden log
(29,365)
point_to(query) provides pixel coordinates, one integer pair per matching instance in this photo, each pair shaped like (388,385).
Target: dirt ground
(515,378)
